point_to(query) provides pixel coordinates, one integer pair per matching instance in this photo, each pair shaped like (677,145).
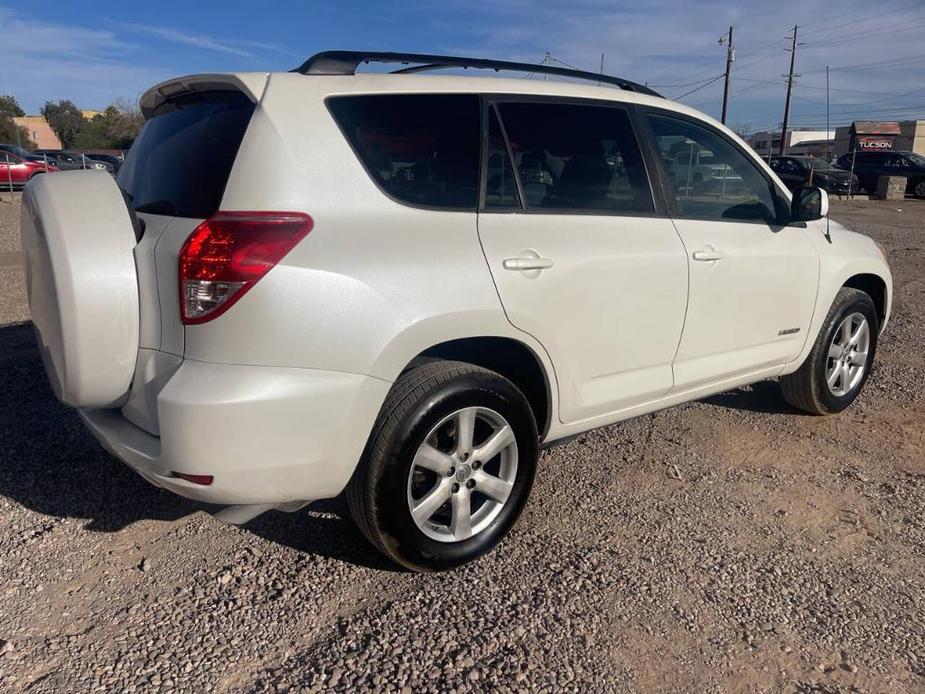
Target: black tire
(806,388)
(419,400)
(918,188)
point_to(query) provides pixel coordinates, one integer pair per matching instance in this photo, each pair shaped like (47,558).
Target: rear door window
(181,161)
(575,157)
(421,149)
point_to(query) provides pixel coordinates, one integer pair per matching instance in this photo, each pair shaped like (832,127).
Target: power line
(854,22)
(883,31)
(685,84)
(874,66)
(697,89)
(860,104)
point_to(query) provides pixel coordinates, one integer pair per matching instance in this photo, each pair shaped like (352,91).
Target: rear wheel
(448,467)
(919,189)
(838,366)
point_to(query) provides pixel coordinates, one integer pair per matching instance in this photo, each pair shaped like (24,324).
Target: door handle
(527,263)
(709,253)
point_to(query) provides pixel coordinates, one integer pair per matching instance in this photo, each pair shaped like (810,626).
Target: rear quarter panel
(374,283)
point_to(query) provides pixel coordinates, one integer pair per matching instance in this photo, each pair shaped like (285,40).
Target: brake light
(228,253)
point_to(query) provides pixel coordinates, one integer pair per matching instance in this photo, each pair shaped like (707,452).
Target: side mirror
(809,204)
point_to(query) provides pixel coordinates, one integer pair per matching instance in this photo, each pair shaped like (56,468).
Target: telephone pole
(730,58)
(793,55)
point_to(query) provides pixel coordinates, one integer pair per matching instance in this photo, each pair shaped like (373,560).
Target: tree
(9,106)
(115,128)
(65,119)
(743,129)
(9,131)
(14,134)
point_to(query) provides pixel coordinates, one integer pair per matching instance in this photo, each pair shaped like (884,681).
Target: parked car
(19,152)
(797,172)
(17,172)
(71,161)
(698,169)
(386,316)
(870,166)
(63,160)
(113,161)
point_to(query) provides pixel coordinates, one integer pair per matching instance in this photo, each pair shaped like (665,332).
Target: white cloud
(665,42)
(190,39)
(49,61)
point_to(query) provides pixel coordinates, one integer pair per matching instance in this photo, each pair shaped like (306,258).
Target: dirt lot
(730,544)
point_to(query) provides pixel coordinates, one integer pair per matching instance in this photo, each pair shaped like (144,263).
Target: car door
(753,281)
(583,258)
(12,170)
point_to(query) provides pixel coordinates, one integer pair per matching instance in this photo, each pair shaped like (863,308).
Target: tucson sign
(873,135)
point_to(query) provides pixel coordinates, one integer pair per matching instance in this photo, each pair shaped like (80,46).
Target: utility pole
(828,154)
(730,59)
(793,55)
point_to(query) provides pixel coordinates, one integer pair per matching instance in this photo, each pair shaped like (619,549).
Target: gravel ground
(728,544)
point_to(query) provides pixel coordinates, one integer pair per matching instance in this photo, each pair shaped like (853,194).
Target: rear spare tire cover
(77,242)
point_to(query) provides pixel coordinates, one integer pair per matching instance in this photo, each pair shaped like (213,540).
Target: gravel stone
(726,544)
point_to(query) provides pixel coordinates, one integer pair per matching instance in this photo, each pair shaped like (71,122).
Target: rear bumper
(267,435)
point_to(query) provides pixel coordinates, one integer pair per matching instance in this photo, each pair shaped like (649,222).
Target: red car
(20,171)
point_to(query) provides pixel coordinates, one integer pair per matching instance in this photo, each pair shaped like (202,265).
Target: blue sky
(94,53)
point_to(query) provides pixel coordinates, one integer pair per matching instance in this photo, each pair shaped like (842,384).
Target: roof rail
(346,63)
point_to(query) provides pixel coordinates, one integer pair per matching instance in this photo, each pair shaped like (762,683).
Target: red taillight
(204,480)
(228,253)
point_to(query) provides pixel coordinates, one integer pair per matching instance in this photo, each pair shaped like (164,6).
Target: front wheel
(838,366)
(919,189)
(448,467)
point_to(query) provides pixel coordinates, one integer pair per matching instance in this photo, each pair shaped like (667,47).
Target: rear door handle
(709,253)
(527,263)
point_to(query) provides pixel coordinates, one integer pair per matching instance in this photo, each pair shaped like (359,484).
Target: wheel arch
(509,357)
(875,287)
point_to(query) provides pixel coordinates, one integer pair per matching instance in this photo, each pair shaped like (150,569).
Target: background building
(40,132)
(904,136)
(767,143)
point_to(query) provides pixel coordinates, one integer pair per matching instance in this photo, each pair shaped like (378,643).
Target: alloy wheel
(462,474)
(847,357)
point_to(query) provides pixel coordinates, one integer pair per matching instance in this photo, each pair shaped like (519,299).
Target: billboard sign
(874,142)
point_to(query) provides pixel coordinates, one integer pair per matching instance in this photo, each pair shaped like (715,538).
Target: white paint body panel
(610,309)
(739,305)
(277,397)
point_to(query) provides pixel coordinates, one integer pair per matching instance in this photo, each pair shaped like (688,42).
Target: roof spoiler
(346,63)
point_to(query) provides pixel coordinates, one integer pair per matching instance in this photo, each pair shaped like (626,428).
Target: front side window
(421,149)
(576,157)
(718,182)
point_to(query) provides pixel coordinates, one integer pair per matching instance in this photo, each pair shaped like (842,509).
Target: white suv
(404,286)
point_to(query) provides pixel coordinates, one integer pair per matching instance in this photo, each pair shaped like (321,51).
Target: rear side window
(421,149)
(576,157)
(181,161)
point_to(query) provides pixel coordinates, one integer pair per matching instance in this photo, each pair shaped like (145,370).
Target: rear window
(181,161)
(421,149)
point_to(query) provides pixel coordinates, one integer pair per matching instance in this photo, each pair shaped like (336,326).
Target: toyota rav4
(404,286)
